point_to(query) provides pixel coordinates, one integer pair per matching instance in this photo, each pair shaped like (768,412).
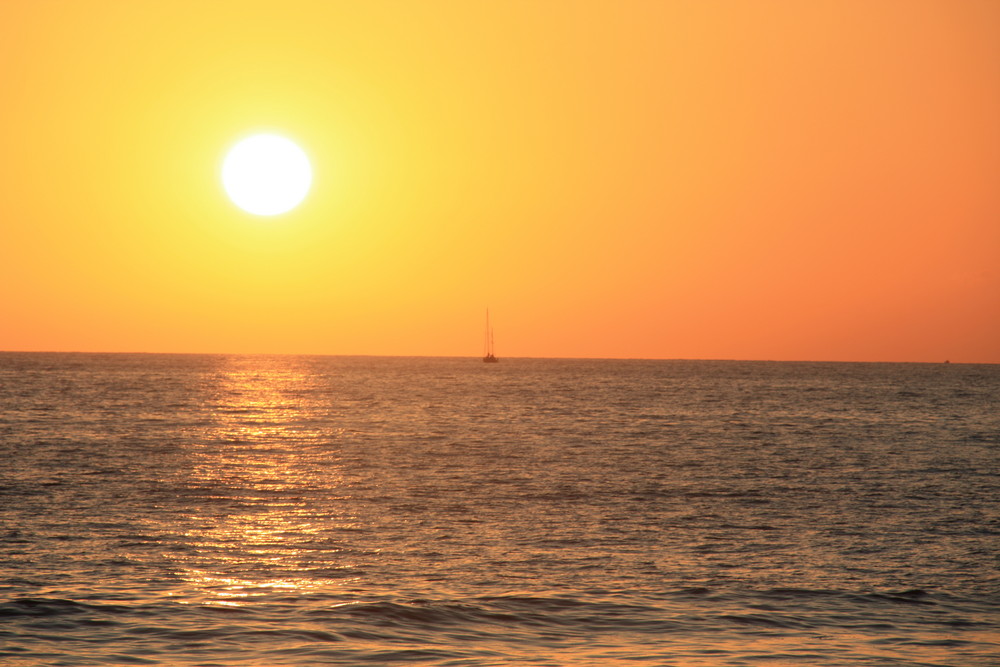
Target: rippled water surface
(247,510)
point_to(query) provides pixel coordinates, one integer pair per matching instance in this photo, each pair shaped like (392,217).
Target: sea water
(284,510)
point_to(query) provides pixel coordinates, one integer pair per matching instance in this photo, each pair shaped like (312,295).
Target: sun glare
(266,174)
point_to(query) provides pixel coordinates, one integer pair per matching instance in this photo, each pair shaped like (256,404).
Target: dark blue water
(247,510)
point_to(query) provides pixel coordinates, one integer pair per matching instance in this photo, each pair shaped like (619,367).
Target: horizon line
(474,357)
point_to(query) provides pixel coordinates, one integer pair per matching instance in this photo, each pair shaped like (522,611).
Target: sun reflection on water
(269,480)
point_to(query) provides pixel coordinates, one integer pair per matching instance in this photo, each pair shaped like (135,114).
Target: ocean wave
(437,631)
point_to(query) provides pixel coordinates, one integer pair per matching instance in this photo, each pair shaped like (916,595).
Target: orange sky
(664,179)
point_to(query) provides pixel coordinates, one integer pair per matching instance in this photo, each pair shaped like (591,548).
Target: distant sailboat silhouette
(488,356)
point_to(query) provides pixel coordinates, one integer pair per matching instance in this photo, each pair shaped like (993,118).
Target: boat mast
(486,338)
(488,355)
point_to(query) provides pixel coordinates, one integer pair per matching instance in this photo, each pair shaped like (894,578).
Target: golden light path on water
(257,459)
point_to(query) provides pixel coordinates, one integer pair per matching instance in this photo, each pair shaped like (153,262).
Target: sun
(266,174)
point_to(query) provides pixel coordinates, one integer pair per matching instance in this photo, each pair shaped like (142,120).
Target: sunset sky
(664,179)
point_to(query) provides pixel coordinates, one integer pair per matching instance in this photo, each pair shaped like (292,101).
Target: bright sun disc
(266,174)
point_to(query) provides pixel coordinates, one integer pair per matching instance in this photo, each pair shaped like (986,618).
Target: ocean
(294,510)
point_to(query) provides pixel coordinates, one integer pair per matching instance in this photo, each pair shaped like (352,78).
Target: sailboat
(489,357)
